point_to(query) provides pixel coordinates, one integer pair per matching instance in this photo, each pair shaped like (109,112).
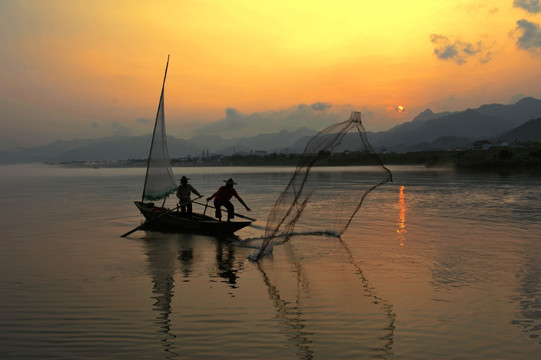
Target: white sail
(159,180)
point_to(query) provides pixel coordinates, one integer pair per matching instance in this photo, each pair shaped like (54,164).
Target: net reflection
(401,231)
(295,305)
(387,307)
(291,313)
(202,318)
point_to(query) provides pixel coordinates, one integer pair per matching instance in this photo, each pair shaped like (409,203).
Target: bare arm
(243,203)
(195,191)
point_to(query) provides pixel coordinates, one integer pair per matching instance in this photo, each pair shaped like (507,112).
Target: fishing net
(308,191)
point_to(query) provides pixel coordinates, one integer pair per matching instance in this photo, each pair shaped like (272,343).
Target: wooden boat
(167,220)
(160,183)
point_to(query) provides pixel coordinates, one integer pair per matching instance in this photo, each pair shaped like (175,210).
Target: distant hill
(275,142)
(526,109)
(529,131)
(428,115)
(123,148)
(44,152)
(137,147)
(467,126)
(427,131)
(442,143)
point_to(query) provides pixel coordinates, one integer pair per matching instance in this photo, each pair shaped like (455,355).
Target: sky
(91,69)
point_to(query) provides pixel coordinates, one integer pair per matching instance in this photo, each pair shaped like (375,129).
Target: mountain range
(427,131)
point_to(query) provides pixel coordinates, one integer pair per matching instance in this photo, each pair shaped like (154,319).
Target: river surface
(438,264)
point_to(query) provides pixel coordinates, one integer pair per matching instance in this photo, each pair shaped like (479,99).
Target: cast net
(311,190)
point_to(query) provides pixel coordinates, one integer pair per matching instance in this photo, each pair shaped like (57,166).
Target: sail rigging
(159,179)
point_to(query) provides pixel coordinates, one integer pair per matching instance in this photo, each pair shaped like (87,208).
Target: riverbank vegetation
(526,155)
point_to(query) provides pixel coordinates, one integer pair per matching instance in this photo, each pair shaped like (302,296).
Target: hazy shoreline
(495,158)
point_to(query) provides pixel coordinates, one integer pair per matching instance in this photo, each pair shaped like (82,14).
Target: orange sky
(86,69)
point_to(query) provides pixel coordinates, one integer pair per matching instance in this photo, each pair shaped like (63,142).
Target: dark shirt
(225,193)
(184,190)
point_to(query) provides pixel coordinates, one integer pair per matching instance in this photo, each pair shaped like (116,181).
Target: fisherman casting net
(308,191)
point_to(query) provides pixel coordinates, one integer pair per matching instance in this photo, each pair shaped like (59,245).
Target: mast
(160,107)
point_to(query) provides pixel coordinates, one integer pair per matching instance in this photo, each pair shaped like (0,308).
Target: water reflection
(456,268)
(401,231)
(225,262)
(388,338)
(173,257)
(169,253)
(290,314)
(185,256)
(293,313)
(529,299)
(163,261)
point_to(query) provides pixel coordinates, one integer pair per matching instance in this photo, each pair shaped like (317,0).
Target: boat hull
(173,221)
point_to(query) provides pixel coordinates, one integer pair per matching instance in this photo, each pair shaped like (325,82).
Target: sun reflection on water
(401,231)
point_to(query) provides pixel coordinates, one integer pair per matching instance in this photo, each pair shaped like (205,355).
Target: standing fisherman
(184,191)
(223,196)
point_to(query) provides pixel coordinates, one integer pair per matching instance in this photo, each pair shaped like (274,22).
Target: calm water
(437,264)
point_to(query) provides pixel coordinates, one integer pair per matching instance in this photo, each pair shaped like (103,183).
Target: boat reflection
(185,257)
(401,231)
(162,257)
(225,262)
(169,254)
(182,257)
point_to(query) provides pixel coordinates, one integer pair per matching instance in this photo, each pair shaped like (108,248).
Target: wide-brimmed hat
(184,179)
(230,181)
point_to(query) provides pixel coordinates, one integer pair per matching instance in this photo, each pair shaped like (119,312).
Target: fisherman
(223,196)
(184,191)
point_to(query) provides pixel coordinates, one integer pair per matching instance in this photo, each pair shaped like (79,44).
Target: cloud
(531,6)
(233,122)
(316,116)
(458,51)
(320,106)
(530,40)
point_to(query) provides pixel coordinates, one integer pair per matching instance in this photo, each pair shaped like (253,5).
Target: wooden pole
(239,215)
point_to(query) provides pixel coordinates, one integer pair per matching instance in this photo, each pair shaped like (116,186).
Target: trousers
(228,205)
(185,207)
